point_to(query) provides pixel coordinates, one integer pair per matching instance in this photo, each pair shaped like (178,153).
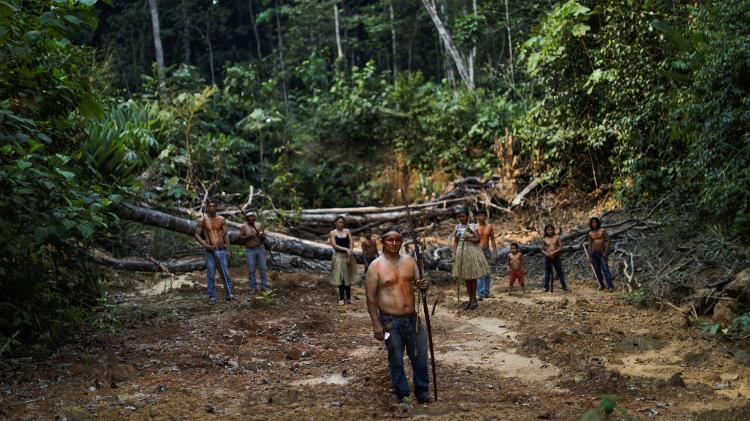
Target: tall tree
(340,52)
(393,39)
(467,77)
(510,46)
(255,28)
(154,9)
(185,32)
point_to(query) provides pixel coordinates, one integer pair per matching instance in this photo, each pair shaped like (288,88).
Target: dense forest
(331,103)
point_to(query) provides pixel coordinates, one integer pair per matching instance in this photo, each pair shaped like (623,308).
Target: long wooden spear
(420,268)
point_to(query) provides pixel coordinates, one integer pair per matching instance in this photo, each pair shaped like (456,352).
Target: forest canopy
(337,103)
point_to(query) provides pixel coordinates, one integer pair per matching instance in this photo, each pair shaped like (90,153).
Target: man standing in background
(486,239)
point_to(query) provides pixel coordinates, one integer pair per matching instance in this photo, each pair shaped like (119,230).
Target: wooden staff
(591,265)
(420,268)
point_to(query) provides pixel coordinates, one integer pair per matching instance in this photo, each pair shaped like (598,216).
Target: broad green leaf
(67,174)
(90,107)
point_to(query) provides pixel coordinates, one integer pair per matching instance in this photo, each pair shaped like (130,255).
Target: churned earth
(516,357)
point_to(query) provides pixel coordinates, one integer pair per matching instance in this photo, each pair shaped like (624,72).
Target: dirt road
(533,356)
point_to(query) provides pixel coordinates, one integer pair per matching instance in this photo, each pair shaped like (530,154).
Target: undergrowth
(607,407)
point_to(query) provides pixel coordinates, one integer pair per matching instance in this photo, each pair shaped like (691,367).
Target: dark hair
(210,200)
(514,245)
(482,211)
(597,220)
(341,217)
(462,211)
(392,228)
(548,226)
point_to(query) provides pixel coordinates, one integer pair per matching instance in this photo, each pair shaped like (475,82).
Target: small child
(370,251)
(551,249)
(486,239)
(515,268)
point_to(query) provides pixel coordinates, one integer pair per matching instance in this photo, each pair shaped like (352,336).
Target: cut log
(519,197)
(191,264)
(278,242)
(136,264)
(327,220)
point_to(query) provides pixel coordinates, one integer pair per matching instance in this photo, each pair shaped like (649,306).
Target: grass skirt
(343,268)
(469,262)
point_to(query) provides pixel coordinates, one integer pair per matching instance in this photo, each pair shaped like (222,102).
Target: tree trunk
(210,50)
(458,60)
(393,40)
(473,53)
(154,9)
(277,242)
(191,264)
(185,33)
(510,45)
(255,28)
(281,55)
(340,52)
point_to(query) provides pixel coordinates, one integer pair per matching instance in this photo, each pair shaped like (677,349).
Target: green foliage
(638,297)
(468,30)
(606,409)
(266,298)
(552,38)
(50,208)
(651,97)
(739,329)
(711,112)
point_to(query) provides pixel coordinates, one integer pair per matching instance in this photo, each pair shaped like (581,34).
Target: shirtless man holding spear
(392,305)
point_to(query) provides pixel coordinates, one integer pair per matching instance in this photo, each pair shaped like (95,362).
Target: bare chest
(597,235)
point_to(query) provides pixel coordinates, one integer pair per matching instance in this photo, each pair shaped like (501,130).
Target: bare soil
(516,357)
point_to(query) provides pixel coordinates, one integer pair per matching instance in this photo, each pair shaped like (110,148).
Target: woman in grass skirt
(469,262)
(343,266)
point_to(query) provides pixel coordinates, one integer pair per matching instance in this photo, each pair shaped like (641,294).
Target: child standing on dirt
(515,268)
(551,249)
(599,253)
(486,238)
(468,261)
(370,251)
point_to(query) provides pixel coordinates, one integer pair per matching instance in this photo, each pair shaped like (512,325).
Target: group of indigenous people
(212,234)
(392,279)
(472,245)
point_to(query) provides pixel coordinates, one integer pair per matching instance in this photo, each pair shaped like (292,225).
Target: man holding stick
(215,248)
(252,235)
(392,304)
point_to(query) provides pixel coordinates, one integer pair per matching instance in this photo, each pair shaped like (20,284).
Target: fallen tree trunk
(326,221)
(277,242)
(520,196)
(357,220)
(191,264)
(137,264)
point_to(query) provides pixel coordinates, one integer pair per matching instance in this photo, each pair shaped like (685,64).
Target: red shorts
(516,275)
